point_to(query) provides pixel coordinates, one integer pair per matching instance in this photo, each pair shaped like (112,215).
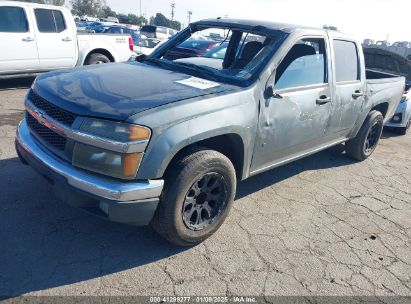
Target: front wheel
(197,197)
(363,145)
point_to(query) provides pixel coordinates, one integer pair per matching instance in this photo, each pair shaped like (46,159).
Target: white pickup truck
(36,38)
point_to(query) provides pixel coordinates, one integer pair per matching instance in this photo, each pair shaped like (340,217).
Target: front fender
(239,119)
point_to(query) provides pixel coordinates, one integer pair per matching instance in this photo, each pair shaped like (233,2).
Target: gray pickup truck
(165,141)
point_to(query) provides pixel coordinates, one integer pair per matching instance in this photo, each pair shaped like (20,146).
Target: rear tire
(198,194)
(363,145)
(97,58)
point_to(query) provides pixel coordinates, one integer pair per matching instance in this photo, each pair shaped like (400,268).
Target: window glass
(305,64)
(60,23)
(45,20)
(346,61)
(13,20)
(49,21)
(247,54)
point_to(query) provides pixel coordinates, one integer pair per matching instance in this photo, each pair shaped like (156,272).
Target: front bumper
(129,202)
(404,113)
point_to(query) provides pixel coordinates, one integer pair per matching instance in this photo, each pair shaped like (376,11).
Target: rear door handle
(28,39)
(357,94)
(67,39)
(322,100)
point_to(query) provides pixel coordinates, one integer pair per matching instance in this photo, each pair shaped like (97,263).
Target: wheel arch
(231,145)
(99,51)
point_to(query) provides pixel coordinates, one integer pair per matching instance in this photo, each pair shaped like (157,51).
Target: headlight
(107,162)
(121,132)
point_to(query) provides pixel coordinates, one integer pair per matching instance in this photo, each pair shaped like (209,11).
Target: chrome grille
(49,136)
(51,110)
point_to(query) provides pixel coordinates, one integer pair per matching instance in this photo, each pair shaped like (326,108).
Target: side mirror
(270,93)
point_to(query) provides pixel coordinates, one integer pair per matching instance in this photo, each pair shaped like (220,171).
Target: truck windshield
(224,54)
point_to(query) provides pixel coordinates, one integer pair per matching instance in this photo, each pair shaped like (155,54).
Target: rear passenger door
(18,51)
(350,83)
(56,40)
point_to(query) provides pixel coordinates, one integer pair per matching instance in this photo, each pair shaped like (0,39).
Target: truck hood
(119,90)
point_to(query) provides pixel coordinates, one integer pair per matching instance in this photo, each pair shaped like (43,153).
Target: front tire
(198,194)
(363,145)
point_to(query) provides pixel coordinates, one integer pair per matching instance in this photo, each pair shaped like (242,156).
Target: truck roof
(21,3)
(271,27)
(277,26)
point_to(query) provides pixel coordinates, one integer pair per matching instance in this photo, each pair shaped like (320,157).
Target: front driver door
(296,119)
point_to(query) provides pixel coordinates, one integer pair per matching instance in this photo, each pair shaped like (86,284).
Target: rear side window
(346,61)
(50,21)
(13,20)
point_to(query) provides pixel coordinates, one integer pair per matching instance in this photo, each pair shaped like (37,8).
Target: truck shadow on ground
(46,244)
(16,83)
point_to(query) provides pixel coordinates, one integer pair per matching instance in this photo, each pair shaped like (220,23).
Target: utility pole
(173,6)
(141,13)
(190,13)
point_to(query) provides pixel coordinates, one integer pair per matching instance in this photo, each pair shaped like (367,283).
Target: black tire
(403,131)
(199,165)
(361,147)
(97,58)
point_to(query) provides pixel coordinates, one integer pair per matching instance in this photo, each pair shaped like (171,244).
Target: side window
(305,64)
(60,22)
(346,61)
(13,20)
(49,21)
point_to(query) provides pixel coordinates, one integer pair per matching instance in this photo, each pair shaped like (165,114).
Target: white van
(159,32)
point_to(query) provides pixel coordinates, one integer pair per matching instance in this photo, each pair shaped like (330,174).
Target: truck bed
(385,89)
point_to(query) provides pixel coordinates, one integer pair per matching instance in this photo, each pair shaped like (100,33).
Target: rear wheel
(197,197)
(364,144)
(97,58)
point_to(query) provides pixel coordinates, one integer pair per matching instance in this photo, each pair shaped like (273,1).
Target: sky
(374,19)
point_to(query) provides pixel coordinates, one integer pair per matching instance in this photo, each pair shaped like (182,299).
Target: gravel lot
(324,225)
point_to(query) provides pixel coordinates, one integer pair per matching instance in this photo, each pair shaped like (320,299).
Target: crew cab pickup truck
(165,142)
(37,38)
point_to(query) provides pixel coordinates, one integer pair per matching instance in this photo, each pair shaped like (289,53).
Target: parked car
(368,42)
(118,29)
(387,61)
(147,45)
(159,32)
(404,44)
(191,48)
(401,121)
(89,19)
(165,142)
(113,19)
(43,38)
(81,26)
(383,43)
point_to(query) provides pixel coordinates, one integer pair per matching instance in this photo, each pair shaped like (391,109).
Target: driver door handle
(357,94)
(67,39)
(322,100)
